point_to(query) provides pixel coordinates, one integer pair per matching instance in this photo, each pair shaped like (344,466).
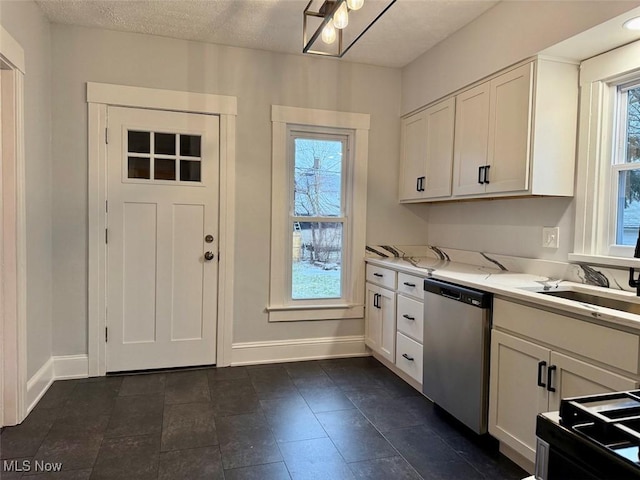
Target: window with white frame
(625,168)
(318,214)
(608,183)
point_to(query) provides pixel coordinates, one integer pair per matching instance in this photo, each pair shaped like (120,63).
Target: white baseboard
(250,353)
(38,385)
(56,368)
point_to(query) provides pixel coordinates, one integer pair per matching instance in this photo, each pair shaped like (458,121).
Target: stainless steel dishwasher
(457,326)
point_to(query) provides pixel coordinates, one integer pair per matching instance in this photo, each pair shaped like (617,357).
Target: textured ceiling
(407,30)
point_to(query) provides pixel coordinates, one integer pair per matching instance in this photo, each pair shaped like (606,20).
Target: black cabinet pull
(410,284)
(541,365)
(480,175)
(407,357)
(408,317)
(378,275)
(375,300)
(550,371)
(486,173)
(418,184)
(422,179)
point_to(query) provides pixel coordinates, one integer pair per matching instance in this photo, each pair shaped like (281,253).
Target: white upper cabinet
(471,133)
(515,135)
(507,168)
(427,153)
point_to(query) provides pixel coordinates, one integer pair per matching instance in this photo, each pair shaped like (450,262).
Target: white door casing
(99,97)
(13,300)
(161,290)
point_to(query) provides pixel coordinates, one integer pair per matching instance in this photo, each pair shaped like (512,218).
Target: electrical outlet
(550,237)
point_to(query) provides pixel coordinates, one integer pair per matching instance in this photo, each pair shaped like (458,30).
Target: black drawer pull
(378,275)
(550,371)
(408,317)
(486,173)
(404,355)
(541,365)
(408,284)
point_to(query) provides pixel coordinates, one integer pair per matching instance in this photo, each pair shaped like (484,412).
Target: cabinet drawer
(410,285)
(596,342)
(381,276)
(410,317)
(409,357)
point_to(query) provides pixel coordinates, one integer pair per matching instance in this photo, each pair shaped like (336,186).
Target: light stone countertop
(520,287)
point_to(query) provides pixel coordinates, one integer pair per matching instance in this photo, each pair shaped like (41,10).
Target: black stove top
(600,431)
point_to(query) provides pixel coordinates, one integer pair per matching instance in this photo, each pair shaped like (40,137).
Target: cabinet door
(471,139)
(439,160)
(387,309)
(413,156)
(514,395)
(373,319)
(573,378)
(510,131)
(380,321)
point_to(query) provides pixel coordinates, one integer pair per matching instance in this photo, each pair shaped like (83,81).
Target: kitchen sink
(595,299)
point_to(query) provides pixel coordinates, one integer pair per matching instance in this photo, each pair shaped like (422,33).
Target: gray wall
(505,34)
(25,23)
(258,79)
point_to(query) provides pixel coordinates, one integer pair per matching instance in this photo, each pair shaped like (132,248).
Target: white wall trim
(99,97)
(13,256)
(11,50)
(250,353)
(38,385)
(126,96)
(320,118)
(56,368)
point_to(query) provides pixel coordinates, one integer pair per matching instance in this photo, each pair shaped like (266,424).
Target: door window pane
(164,143)
(139,142)
(165,169)
(316,260)
(628,219)
(317,177)
(189,171)
(139,167)
(190,145)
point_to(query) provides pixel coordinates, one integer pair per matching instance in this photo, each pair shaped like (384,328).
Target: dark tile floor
(329,419)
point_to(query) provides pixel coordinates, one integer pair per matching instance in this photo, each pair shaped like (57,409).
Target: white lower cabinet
(409,356)
(380,321)
(527,379)
(394,319)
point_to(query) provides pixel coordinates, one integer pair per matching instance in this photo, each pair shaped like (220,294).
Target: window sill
(299,313)
(605,260)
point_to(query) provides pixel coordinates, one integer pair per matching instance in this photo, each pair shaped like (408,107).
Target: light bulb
(329,33)
(341,17)
(355,4)
(632,24)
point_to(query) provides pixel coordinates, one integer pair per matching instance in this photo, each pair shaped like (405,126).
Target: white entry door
(162,239)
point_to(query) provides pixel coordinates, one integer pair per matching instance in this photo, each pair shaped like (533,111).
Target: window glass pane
(190,145)
(628,218)
(165,169)
(139,142)
(317,177)
(189,171)
(165,143)
(139,168)
(633,126)
(316,260)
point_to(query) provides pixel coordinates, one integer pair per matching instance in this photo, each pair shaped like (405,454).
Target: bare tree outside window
(318,218)
(628,215)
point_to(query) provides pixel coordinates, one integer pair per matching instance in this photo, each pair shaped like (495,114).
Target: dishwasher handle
(448,293)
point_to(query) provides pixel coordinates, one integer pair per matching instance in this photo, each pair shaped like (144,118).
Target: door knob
(208,256)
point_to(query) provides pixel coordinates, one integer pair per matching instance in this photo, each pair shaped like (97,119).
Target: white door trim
(101,95)
(13,263)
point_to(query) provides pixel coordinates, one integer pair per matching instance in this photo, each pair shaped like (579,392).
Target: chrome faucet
(635,282)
